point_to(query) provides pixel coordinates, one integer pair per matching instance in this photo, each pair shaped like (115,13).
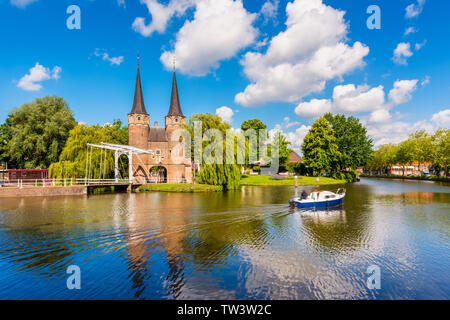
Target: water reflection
(239,244)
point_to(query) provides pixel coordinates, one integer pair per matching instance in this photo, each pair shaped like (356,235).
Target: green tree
(353,142)
(406,154)
(385,156)
(320,150)
(283,148)
(5,137)
(226,175)
(256,125)
(441,150)
(75,151)
(422,147)
(39,131)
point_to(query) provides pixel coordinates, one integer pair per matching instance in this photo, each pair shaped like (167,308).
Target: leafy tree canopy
(38,132)
(353,142)
(320,150)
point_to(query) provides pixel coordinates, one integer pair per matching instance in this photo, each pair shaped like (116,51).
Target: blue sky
(284,62)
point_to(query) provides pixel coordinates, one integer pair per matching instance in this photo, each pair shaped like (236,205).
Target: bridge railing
(21,183)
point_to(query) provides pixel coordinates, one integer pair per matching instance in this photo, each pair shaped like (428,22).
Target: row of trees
(419,147)
(336,144)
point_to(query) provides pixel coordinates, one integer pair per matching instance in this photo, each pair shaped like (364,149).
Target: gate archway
(158,174)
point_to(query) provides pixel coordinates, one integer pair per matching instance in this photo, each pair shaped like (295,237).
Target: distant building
(294,157)
(12,175)
(164,165)
(413,169)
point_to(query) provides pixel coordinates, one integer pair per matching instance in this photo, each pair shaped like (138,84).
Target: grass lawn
(263,180)
(181,187)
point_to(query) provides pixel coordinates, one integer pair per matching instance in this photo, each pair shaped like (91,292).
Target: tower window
(176,119)
(139,118)
(158,152)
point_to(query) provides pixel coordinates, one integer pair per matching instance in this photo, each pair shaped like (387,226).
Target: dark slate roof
(138,103)
(175,109)
(157,134)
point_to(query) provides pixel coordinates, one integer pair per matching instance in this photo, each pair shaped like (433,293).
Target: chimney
(156,123)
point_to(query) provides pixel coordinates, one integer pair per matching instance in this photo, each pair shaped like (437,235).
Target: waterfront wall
(41,191)
(386,176)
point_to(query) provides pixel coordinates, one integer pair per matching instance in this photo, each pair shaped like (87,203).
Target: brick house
(412,169)
(164,165)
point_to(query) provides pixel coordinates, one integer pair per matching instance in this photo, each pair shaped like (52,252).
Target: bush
(225,175)
(349,176)
(256,168)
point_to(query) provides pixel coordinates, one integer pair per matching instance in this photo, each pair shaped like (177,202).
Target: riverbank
(11,192)
(264,180)
(180,187)
(388,176)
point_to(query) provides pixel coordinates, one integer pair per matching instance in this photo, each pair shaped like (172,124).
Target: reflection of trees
(425,210)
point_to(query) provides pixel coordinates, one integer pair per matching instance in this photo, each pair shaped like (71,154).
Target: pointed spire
(175,109)
(138,103)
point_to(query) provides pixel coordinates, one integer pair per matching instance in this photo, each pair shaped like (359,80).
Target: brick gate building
(163,165)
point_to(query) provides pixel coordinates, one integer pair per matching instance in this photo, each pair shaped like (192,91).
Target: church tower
(138,118)
(175,118)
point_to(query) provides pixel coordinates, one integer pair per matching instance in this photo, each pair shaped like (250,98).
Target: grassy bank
(263,180)
(260,180)
(182,187)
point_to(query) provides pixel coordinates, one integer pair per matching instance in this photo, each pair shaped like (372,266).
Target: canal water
(245,244)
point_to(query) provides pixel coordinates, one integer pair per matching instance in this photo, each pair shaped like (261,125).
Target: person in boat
(304,195)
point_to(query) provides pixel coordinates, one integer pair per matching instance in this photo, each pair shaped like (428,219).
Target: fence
(21,183)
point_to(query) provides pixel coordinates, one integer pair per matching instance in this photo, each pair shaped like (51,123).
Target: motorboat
(320,199)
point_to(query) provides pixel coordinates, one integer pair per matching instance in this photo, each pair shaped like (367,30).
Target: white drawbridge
(119,150)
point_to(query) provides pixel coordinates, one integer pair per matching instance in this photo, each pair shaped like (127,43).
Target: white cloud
(39,73)
(410,30)
(425,81)
(219,30)
(225,113)
(22,3)
(402,52)
(302,58)
(121,3)
(294,137)
(401,93)
(269,10)
(105,56)
(161,14)
(350,99)
(419,46)
(397,131)
(380,115)
(414,9)
(314,108)
(442,119)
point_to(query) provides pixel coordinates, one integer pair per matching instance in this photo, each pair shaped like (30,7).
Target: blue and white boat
(318,199)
